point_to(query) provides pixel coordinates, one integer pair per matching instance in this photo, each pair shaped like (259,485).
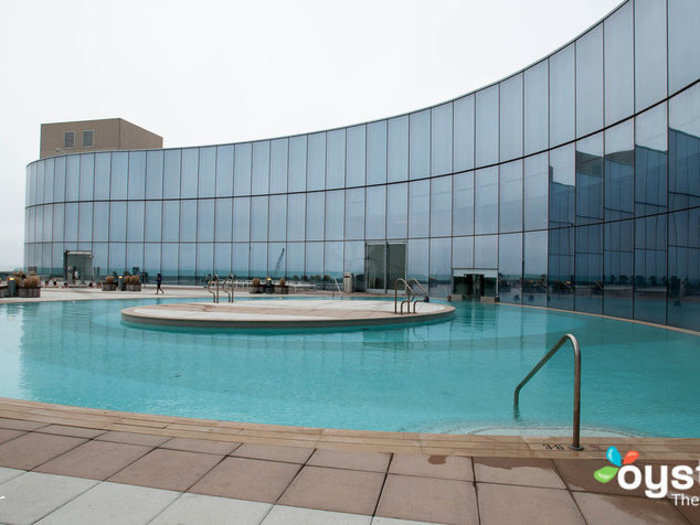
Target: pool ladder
(411,296)
(576,439)
(215,285)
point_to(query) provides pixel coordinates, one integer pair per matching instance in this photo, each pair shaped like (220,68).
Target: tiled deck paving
(62,464)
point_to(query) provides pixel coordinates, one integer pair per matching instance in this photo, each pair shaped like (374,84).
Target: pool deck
(63,464)
(87,462)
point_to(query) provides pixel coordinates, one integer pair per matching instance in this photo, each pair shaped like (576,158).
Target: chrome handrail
(214,292)
(337,285)
(409,295)
(576,439)
(425,293)
(228,288)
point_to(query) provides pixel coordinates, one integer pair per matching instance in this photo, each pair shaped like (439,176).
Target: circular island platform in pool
(283,313)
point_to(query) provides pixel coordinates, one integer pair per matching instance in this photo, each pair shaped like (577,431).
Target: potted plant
(283,288)
(109,285)
(29,286)
(133,283)
(255,286)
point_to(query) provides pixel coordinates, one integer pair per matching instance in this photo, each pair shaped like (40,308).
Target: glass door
(396,263)
(376,259)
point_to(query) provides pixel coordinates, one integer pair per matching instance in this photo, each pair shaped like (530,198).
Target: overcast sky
(213,72)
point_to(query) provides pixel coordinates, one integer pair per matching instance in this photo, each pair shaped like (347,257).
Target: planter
(108,287)
(133,287)
(283,290)
(28,292)
(256,289)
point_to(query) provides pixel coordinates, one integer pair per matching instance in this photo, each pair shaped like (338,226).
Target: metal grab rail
(214,292)
(576,439)
(425,293)
(409,295)
(228,288)
(337,285)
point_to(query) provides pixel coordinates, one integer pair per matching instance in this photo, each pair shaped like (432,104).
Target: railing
(409,293)
(213,288)
(576,439)
(424,293)
(229,287)
(337,285)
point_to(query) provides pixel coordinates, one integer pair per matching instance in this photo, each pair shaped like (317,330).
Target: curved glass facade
(575,183)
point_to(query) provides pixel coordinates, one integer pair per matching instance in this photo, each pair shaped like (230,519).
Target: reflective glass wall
(576,181)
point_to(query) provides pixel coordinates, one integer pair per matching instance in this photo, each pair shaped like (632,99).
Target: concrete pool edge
(650,448)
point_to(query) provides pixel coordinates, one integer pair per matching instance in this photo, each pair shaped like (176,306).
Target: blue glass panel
(561,96)
(397,211)
(153,221)
(278,165)
(135,214)
(418,255)
(463,252)
(297,163)
(316,174)
(188,221)
(333,260)
(314,260)
(276,260)
(190,170)
(154,177)
(419,209)
(70,231)
(224,171)
(205,220)
(487,126)
(241,219)
(59,189)
(261,167)
(420,144)
(355,214)
(684,149)
(398,149)
(169,261)
(243,162)
(589,268)
(314,216)
(335,159)
(589,82)
(151,263)
(683,43)
(376,152)
(510,260)
(440,277)
(356,157)
(134,257)
(651,161)
(87,177)
(117,221)
(171,178)
(72,177)
(241,259)
(258,222)
(117,257)
(650,278)
(537,107)
(441,206)
(295,256)
(649,52)
(258,259)
(589,180)
(296,217)
(335,219)
(171,221)
(188,262)
(536,185)
(619,64)
(486,251)
(119,175)
(205,261)
(223,220)
(278,218)
(100,222)
(464,133)
(463,205)
(511,197)
(376,206)
(535,268)
(207,172)
(441,139)
(486,200)
(48,180)
(222,258)
(511,118)
(137,174)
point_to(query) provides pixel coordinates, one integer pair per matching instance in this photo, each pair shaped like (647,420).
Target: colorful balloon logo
(608,472)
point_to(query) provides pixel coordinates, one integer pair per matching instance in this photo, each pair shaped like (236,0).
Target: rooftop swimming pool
(453,376)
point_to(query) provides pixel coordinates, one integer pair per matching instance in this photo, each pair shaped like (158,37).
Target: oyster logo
(608,472)
(657,479)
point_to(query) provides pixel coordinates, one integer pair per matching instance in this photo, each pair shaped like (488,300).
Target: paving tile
(206,446)
(7,474)
(247,479)
(20,424)
(352,460)
(7,434)
(515,471)
(444,467)
(578,475)
(32,449)
(22,504)
(273,452)
(94,460)
(428,499)
(112,503)
(622,510)
(282,515)
(133,438)
(197,509)
(167,469)
(378,520)
(515,504)
(65,430)
(334,489)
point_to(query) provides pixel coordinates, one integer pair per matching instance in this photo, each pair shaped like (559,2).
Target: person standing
(159,282)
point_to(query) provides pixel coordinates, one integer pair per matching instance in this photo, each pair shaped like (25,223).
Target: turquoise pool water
(453,376)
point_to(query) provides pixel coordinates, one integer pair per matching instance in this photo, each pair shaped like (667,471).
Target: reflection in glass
(561,96)
(242,162)
(258,220)
(314,216)
(334,215)
(316,174)
(190,168)
(278,165)
(683,43)
(297,163)
(356,157)
(419,206)
(420,144)
(487,126)
(376,204)
(486,200)
(536,185)
(511,197)
(463,204)
(376,152)
(537,107)
(207,172)
(441,206)
(589,179)
(397,219)
(511,117)
(464,133)
(154,176)
(510,248)
(486,251)
(355,214)
(619,64)
(335,171)
(261,167)
(398,149)
(589,82)
(440,267)
(441,139)
(535,268)
(649,52)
